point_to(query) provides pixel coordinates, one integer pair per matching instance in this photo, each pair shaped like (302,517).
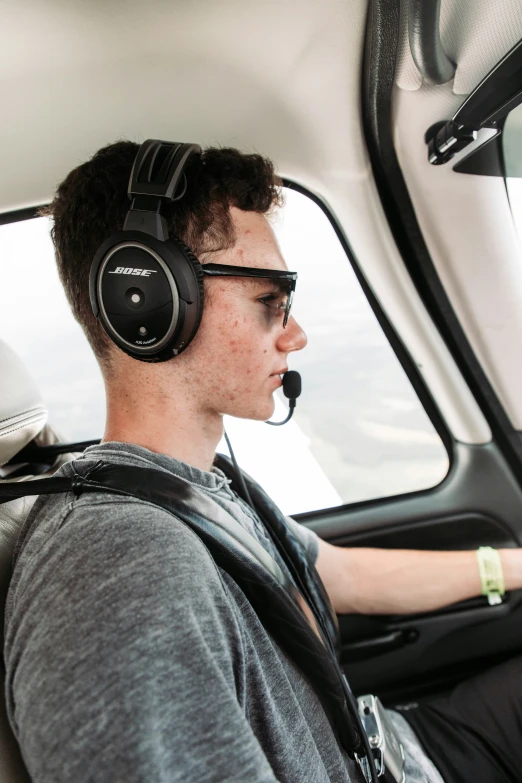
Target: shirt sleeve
(307,537)
(123,656)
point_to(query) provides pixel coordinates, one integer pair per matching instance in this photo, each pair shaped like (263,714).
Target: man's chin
(254,413)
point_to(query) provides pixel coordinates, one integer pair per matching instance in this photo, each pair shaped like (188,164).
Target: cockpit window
(359,431)
(35,320)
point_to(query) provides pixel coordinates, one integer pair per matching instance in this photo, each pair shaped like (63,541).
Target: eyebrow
(267,283)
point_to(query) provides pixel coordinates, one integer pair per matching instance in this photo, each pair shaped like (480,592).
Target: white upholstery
(23,418)
(22,411)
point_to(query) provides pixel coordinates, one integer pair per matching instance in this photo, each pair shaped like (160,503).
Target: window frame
(19,215)
(405,359)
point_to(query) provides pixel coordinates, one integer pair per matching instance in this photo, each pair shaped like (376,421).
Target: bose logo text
(128,270)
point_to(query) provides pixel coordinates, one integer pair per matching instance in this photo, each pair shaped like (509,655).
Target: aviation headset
(146,288)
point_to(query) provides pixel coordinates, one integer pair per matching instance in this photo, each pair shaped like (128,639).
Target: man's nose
(292,337)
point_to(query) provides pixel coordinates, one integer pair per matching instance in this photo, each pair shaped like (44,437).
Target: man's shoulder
(132,519)
(107,537)
(124,524)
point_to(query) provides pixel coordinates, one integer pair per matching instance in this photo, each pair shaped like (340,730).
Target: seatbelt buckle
(385,746)
(364,765)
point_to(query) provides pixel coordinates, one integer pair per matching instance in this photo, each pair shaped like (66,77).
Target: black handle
(377,645)
(424,37)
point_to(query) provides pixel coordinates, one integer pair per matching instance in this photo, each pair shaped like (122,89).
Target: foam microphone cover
(291,384)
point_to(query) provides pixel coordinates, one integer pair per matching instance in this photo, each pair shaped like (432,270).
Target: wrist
(512,566)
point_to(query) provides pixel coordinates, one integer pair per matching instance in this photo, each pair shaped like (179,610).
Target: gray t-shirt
(130,656)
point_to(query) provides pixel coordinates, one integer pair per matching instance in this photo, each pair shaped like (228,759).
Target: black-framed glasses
(287,279)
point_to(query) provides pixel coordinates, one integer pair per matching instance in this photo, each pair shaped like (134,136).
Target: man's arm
(403,581)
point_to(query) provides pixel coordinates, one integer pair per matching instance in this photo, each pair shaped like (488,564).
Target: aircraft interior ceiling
(266,76)
(282,77)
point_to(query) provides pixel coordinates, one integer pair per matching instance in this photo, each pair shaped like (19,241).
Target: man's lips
(278,376)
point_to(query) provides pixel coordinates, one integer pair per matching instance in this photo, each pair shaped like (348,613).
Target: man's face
(241,348)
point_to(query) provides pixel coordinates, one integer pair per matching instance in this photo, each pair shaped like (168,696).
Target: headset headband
(157,178)
(158,168)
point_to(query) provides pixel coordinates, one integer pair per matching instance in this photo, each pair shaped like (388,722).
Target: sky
(359,430)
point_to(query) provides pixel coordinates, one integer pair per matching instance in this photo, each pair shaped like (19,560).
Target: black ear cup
(191,311)
(147,294)
(198,274)
(146,288)
(185,249)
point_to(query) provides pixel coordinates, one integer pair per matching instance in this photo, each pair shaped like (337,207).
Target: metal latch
(445,139)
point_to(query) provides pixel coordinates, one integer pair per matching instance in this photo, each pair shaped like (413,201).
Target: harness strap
(290,549)
(273,596)
(11,490)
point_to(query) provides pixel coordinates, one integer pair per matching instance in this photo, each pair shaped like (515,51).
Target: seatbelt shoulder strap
(271,593)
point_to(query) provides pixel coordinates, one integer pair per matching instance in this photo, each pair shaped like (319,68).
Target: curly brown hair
(91,203)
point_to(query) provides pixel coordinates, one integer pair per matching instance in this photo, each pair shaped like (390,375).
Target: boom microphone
(291,390)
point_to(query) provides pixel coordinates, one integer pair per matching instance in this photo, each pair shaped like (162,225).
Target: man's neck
(165,426)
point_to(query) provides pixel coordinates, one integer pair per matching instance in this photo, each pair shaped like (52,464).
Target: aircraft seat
(23,419)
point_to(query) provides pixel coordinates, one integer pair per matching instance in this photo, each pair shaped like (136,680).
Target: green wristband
(491,574)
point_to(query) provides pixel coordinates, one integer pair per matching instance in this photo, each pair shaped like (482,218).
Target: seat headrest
(23,413)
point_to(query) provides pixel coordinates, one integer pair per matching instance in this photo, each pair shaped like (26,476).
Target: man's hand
(404,581)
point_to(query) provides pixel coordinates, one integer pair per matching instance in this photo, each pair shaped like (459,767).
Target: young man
(130,655)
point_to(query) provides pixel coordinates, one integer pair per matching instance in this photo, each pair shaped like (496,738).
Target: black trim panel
(479,484)
(458,640)
(479,503)
(449,532)
(18,215)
